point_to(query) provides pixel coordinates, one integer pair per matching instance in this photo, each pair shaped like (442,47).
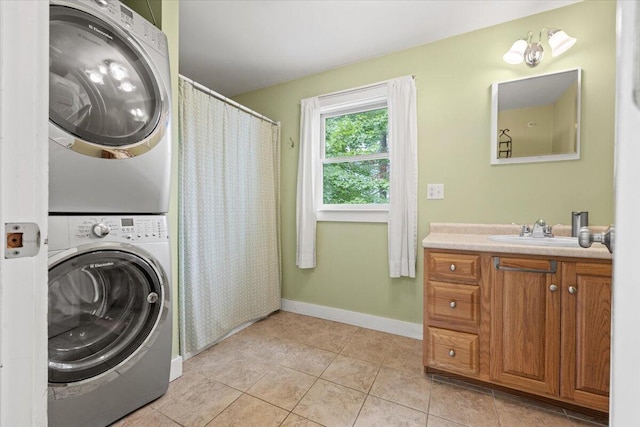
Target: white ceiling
(535,91)
(237,46)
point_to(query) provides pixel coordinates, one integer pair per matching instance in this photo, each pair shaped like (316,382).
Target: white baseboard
(369,321)
(176,368)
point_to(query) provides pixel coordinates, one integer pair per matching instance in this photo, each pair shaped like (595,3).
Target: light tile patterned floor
(293,370)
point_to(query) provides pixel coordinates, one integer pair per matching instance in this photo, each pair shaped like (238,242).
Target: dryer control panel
(130,21)
(78,230)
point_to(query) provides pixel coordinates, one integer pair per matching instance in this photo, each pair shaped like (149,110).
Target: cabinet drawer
(454,267)
(455,351)
(455,304)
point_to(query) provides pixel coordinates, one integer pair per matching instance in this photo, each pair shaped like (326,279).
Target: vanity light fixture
(525,49)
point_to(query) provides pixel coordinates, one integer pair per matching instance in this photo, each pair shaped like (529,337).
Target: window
(354,166)
(358,161)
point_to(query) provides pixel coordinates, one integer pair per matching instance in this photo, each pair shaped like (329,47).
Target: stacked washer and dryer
(109,320)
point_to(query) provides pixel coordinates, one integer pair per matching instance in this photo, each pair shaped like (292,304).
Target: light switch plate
(435,191)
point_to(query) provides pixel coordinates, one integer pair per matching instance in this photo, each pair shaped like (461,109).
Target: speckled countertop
(474,237)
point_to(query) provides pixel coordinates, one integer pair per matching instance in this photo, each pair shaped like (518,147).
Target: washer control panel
(100,229)
(126,229)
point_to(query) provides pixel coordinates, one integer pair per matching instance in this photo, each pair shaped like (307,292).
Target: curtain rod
(355,89)
(227,100)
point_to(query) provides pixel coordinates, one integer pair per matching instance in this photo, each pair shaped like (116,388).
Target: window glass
(355,183)
(356,134)
(356,158)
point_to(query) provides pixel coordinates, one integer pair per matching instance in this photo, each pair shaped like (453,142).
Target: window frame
(339,104)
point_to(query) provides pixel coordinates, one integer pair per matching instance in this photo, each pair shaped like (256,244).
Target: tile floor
(293,370)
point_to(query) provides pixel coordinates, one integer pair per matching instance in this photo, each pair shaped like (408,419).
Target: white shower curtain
(229,221)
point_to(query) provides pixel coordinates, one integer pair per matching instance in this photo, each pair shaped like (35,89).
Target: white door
(23,185)
(625,372)
(24,47)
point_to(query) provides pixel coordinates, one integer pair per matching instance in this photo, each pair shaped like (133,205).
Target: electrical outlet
(435,191)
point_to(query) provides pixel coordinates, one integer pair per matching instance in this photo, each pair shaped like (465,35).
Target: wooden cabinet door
(525,325)
(586,334)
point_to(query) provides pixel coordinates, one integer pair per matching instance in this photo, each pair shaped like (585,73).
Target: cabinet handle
(573,290)
(452,267)
(553,287)
(552,270)
(452,304)
(452,353)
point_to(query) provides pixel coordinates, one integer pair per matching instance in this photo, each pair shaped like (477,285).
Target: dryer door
(104,310)
(102,87)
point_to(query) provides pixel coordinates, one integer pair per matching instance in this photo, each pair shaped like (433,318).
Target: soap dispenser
(579,219)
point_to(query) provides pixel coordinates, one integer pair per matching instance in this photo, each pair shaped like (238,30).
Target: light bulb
(560,42)
(515,55)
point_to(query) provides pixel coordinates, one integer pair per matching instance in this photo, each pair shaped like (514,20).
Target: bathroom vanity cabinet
(525,324)
(585,342)
(453,333)
(537,324)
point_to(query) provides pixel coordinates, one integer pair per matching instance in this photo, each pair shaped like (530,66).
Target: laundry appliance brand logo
(99,31)
(100,264)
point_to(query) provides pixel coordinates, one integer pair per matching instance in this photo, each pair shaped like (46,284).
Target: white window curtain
(306,212)
(403,179)
(403,156)
(229,223)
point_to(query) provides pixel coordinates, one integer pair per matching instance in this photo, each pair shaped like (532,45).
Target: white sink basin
(567,242)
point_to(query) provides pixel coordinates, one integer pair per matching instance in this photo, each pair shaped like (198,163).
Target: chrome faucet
(540,229)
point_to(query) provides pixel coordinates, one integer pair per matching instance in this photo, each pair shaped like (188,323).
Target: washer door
(102,88)
(104,308)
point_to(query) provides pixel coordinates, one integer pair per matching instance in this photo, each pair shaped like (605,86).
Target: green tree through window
(356,167)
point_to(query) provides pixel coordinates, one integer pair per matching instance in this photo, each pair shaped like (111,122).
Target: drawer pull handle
(452,267)
(452,353)
(553,287)
(552,270)
(452,304)
(573,290)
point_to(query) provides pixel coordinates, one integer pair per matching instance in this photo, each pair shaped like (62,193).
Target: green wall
(145,8)
(529,141)
(170,24)
(564,121)
(453,78)
(167,14)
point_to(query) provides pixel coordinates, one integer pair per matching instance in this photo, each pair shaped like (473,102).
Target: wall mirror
(536,119)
